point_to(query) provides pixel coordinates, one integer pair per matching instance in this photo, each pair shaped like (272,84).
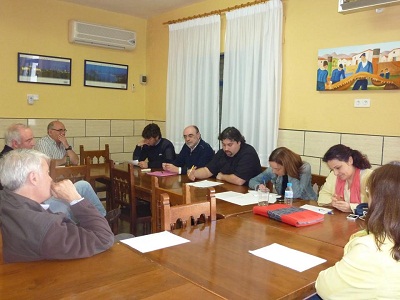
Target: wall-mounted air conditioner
(102,36)
(352,6)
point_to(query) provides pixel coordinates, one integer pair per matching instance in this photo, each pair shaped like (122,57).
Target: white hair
(16,165)
(13,133)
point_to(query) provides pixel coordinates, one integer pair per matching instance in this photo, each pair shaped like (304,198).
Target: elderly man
(237,162)
(20,136)
(55,145)
(154,148)
(195,152)
(29,230)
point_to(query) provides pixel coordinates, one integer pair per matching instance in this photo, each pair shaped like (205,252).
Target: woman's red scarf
(355,195)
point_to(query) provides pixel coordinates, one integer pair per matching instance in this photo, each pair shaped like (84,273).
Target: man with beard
(237,162)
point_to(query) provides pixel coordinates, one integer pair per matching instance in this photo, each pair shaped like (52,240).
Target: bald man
(195,153)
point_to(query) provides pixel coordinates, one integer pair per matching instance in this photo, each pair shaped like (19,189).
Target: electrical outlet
(362,103)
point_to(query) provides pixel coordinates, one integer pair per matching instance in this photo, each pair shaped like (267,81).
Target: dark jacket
(163,152)
(199,157)
(32,233)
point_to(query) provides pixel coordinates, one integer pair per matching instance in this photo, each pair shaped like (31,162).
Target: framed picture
(34,68)
(359,67)
(106,75)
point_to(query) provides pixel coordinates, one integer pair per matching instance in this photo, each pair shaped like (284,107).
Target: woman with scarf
(344,188)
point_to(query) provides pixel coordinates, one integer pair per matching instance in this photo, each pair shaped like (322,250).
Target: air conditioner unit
(352,6)
(102,36)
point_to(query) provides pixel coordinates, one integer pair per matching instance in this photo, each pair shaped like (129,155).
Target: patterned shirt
(49,147)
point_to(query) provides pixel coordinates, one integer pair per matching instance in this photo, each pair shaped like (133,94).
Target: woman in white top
(344,188)
(370,267)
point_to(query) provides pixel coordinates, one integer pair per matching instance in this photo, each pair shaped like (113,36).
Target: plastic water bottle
(67,161)
(289,194)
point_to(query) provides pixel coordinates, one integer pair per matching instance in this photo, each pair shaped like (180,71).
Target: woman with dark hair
(344,187)
(286,166)
(370,266)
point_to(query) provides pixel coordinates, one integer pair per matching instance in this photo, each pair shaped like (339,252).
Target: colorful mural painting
(363,67)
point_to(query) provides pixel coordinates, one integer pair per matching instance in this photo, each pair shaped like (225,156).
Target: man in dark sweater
(154,148)
(195,152)
(29,230)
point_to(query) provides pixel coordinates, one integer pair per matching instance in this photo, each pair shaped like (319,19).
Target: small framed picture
(35,68)
(106,75)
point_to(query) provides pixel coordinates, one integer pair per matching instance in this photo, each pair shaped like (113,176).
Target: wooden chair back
(73,173)
(94,156)
(187,214)
(123,196)
(317,181)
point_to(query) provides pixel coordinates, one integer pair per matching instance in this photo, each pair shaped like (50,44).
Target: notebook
(291,215)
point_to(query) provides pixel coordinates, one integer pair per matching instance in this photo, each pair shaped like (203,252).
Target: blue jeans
(86,191)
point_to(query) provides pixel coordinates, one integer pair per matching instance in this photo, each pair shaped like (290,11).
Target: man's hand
(65,190)
(63,140)
(170,168)
(143,164)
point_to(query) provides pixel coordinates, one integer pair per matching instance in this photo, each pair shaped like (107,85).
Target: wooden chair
(317,181)
(123,196)
(172,216)
(95,157)
(73,173)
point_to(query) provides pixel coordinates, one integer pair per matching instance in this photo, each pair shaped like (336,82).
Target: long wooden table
(218,259)
(118,273)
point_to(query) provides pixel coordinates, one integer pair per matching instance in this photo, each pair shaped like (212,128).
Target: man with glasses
(55,145)
(20,136)
(195,153)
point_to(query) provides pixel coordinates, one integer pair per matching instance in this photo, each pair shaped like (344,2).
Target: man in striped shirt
(55,145)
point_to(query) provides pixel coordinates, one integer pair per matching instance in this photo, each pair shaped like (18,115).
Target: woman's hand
(339,203)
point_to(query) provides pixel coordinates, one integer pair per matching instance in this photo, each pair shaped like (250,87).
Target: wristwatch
(69,148)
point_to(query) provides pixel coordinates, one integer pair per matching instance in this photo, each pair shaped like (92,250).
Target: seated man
(29,231)
(55,144)
(20,136)
(195,152)
(154,148)
(237,162)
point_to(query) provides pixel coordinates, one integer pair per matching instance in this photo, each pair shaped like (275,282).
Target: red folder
(291,215)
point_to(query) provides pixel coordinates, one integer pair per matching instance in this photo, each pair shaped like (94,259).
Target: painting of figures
(363,67)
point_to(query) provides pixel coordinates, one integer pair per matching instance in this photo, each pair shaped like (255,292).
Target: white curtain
(193,79)
(253,74)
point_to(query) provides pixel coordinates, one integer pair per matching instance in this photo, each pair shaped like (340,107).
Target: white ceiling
(137,8)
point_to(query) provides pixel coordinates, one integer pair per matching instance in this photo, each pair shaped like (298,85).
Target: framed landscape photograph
(35,68)
(106,75)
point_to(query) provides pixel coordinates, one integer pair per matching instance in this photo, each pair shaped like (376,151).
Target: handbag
(361,209)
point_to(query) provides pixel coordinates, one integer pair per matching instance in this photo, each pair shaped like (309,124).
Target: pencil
(191,169)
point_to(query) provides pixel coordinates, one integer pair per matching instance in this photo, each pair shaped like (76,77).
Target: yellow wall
(309,25)
(41,27)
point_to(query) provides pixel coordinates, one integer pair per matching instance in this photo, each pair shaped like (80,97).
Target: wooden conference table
(118,273)
(216,263)
(217,257)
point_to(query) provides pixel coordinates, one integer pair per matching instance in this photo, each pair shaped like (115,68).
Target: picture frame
(372,67)
(106,75)
(35,68)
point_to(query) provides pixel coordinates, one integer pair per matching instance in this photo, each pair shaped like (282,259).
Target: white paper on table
(133,162)
(154,241)
(271,198)
(317,209)
(204,183)
(288,257)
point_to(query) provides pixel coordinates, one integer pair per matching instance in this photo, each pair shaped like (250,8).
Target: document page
(288,257)
(154,241)
(317,209)
(243,199)
(204,183)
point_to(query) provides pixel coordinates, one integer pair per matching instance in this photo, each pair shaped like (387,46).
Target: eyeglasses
(60,130)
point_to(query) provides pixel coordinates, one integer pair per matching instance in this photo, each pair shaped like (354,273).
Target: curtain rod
(215,12)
